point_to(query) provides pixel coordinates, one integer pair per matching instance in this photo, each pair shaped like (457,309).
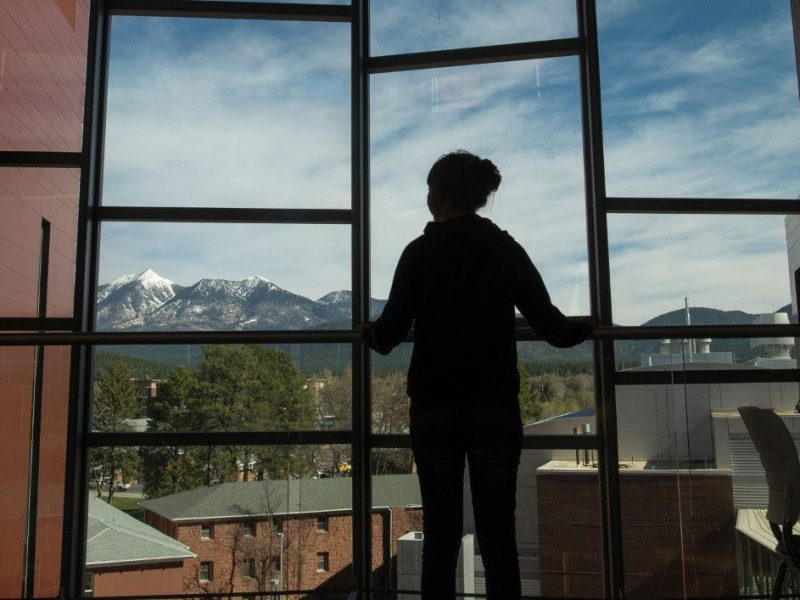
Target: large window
(182,279)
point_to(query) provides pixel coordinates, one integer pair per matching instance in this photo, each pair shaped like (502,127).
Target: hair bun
(490,175)
(466,178)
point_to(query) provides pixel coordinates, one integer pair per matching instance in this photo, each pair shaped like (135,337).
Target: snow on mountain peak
(149,278)
(336,297)
(255,280)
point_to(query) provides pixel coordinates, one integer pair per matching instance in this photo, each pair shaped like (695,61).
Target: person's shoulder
(417,242)
(414,247)
(495,233)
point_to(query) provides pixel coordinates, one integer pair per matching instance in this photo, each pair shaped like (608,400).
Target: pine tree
(116,399)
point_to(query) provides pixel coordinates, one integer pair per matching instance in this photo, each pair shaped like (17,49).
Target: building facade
(260,536)
(125,557)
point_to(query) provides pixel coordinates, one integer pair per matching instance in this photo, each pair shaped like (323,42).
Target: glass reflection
(690,477)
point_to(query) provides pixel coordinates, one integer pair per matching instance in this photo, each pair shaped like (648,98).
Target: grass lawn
(126,504)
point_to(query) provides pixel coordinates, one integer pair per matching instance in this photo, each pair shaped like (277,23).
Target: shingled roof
(114,538)
(282,497)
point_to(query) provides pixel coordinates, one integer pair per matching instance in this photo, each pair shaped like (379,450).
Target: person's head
(462,181)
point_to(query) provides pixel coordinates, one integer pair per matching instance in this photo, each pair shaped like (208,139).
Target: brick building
(125,557)
(297,534)
(673,535)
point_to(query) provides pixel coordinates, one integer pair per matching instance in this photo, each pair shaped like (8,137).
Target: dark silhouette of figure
(458,284)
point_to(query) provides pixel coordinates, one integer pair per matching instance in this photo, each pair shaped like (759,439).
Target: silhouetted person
(459,283)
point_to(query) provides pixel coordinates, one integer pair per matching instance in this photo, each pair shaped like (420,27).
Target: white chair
(778,455)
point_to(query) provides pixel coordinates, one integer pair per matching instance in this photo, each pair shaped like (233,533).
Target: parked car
(121,487)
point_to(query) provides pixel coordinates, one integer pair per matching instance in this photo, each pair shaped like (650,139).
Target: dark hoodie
(459,283)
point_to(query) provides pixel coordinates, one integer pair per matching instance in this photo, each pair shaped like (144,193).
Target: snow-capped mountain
(147,302)
(342,299)
(131,296)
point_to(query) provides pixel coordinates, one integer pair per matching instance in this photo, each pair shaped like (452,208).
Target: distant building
(276,535)
(125,557)
(691,351)
(773,353)
(792,224)
(670,437)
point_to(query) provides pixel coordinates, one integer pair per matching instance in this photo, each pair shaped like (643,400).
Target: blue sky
(699,99)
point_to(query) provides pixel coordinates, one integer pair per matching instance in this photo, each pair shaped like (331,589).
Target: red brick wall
(302,543)
(164,525)
(570,536)
(139,580)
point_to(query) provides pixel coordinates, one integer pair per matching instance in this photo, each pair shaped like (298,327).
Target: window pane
(731,268)
(419,25)
(17,390)
(699,99)
(223,388)
(228,113)
(192,277)
(27,197)
(557,529)
(707,353)
(42,74)
(691,478)
(556,388)
(525,117)
(163,528)
(395,555)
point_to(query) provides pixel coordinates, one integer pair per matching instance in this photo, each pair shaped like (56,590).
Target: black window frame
(78,331)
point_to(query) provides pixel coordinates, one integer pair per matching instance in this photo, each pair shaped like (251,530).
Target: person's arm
(392,326)
(533,301)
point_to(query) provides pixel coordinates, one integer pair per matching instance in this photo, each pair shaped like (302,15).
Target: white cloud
(419,25)
(726,262)
(260,120)
(311,260)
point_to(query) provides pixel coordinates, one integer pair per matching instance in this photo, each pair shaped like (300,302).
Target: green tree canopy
(115,400)
(233,388)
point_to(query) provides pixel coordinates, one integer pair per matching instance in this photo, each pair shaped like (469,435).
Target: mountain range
(146,301)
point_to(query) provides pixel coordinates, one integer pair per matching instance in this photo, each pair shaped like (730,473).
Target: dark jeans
(490,437)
